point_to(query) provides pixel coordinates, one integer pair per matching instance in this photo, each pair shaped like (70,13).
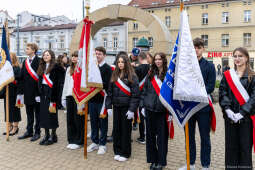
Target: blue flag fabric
(181,110)
(6,70)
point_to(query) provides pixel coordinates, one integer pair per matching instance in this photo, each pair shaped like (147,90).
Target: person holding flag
(14,105)
(122,100)
(141,72)
(29,80)
(237,101)
(97,111)
(6,71)
(155,113)
(49,86)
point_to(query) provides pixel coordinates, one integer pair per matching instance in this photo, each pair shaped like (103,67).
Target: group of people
(131,94)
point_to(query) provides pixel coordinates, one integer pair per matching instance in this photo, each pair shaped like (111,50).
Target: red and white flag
(87,77)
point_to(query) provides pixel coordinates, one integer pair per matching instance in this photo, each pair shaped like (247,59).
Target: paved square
(25,155)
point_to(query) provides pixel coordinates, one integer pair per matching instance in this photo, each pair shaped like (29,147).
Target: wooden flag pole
(85,130)
(7,89)
(187,145)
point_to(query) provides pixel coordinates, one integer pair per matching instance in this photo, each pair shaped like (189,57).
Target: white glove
(143,112)
(170,118)
(63,102)
(109,112)
(237,117)
(130,115)
(37,99)
(230,114)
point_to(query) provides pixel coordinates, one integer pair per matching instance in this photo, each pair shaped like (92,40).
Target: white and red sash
(52,107)
(30,70)
(157,83)
(19,101)
(240,93)
(141,84)
(113,67)
(103,112)
(123,87)
(48,80)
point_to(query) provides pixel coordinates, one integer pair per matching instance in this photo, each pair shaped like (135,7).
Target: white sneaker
(92,147)
(89,135)
(75,146)
(122,159)
(68,146)
(192,167)
(65,111)
(116,157)
(205,168)
(101,150)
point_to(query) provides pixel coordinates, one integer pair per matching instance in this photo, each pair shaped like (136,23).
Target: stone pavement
(24,155)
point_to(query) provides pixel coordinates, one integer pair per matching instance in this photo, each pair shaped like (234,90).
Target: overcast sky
(69,8)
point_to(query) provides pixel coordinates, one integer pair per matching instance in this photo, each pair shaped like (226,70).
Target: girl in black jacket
(155,113)
(123,97)
(49,74)
(237,115)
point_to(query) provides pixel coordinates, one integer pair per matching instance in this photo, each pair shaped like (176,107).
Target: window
(225,17)
(105,42)
(135,40)
(247,39)
(205,18)
(205,39)
(150,40)
(62,44)
(115,43)
(168,21)
(135,26)
(247,16)
(225,40)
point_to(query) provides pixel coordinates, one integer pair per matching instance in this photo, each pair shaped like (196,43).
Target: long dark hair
(60,60)
(245,52)
(154,69)
(73,65)
(42,65)
(128,69)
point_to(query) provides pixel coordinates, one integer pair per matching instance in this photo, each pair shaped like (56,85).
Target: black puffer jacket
(227,100)
(118,98)
(149,98)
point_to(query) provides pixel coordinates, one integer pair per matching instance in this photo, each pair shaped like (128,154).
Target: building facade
(224,25)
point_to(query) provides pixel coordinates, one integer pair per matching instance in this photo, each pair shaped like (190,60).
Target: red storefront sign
(215,54)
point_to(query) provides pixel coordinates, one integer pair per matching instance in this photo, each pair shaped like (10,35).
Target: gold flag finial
(87,6)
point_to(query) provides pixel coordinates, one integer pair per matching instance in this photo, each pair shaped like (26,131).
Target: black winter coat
(149,98)
(29,85)
(227,100)
(118,98)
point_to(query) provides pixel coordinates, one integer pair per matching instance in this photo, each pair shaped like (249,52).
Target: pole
(7,88)
(85,131)
(83,11)
(187,124)
(187,145)
(18,44)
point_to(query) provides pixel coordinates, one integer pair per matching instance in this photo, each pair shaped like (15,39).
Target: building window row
(225,40)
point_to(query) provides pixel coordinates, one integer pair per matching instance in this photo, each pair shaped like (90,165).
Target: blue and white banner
(6,70)
(180,109)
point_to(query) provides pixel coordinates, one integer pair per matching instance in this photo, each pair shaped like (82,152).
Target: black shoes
(109,139)
(15,133)
(26,135)
(152,166)
(140,140)
(156,167)
(44,140)
(134,127)
(35,137)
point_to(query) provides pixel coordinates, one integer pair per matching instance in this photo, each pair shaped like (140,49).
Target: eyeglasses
(239,56)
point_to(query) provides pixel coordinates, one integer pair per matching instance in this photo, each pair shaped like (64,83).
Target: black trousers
(238,145)
(75,123)
(141,126)
(156,137)
(33,111)
(122,128)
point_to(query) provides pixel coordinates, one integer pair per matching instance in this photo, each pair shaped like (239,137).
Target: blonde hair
(14,59)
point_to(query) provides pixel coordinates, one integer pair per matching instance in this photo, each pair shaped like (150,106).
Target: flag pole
(7,89)
(87,7)
(187,124)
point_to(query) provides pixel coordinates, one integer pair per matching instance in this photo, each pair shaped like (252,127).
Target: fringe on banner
(52,108)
